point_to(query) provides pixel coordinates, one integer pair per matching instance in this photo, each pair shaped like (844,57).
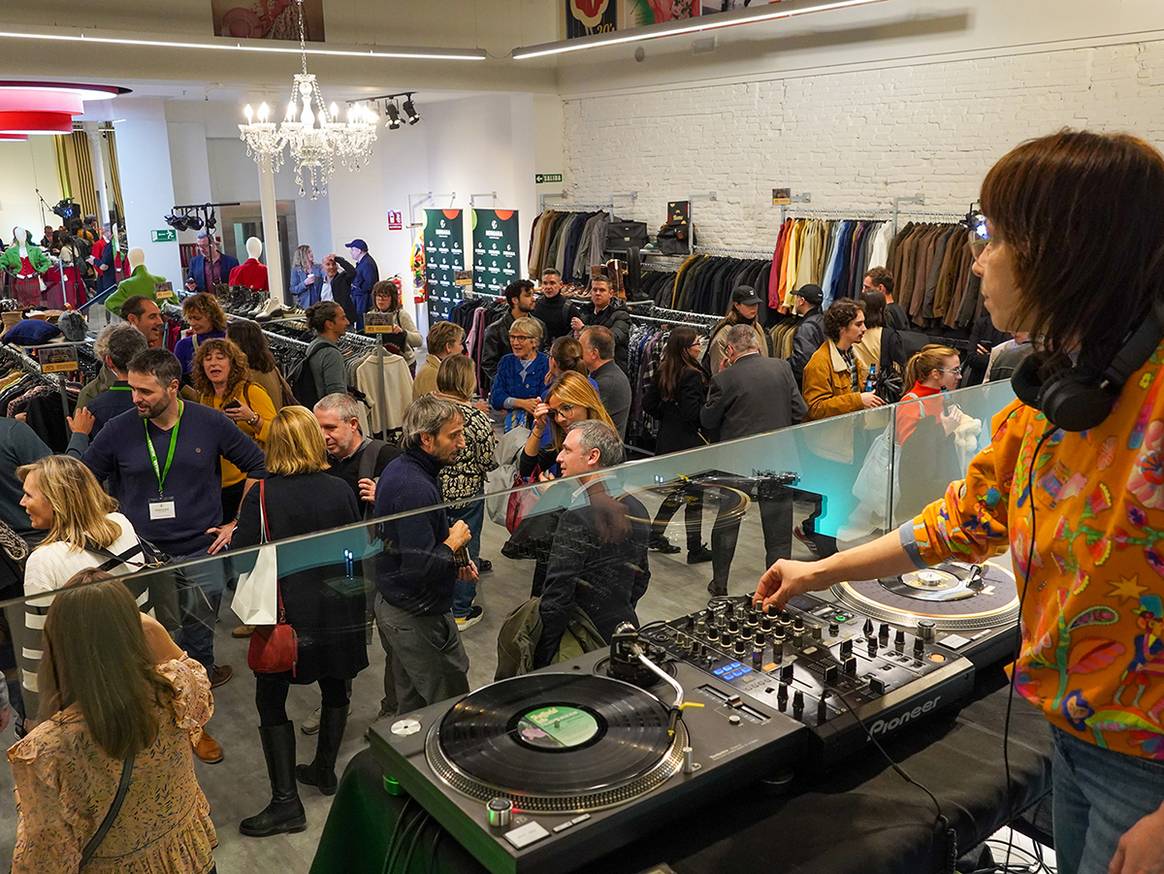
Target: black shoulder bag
(110,815)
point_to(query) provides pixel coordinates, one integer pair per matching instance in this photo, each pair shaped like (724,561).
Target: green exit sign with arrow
(166,235)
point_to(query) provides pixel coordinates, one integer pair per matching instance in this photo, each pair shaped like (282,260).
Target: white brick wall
(854,140)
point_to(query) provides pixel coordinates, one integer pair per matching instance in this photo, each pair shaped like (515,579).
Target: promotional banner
(496,250)
(277,19)
(444,256)
(643,13)
(586,17)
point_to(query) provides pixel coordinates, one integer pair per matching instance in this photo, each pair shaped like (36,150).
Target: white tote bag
(257,595)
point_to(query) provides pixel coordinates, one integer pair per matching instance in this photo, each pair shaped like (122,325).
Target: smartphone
(232,405)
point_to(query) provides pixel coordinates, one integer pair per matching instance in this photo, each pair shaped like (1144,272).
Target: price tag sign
(378,323)
(164,291)
(58,359)
(781,196)
(463,277)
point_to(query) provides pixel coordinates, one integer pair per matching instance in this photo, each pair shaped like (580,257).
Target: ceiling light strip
(752,15)
(434,54)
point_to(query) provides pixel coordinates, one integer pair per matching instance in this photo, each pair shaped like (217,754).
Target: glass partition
(726,510)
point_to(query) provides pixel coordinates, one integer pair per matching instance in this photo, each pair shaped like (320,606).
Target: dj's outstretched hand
(783,580)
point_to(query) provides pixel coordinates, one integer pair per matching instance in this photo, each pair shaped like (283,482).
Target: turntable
(971,609)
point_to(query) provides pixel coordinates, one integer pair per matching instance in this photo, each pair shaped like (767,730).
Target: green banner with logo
(444,257)
(496,250)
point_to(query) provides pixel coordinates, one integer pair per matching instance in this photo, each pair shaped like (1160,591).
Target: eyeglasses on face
(957,370)
(520,337)
(562,412)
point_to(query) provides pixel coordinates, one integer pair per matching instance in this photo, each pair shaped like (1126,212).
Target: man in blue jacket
(423,557)
(209,267)
(367,275)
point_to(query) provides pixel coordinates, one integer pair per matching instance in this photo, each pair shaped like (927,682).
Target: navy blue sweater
(112,402)
(119,454)
(416,571)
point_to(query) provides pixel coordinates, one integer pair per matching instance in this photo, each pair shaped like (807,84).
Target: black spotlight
(194,222)
(177,222)
(393,113)
(410,110)
(67,210)
(211,221)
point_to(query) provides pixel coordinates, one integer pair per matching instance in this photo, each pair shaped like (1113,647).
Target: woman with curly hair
(207,321)
(220,379)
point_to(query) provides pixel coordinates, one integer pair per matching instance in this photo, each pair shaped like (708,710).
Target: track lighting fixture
(399,108)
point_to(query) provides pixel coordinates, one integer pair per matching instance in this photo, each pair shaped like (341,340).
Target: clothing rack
(721,252)
(660,315)
(32,367)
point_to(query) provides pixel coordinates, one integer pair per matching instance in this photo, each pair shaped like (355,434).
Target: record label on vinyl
(557,727)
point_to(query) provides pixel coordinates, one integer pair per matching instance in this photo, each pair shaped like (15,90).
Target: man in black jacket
(598,562)
(880,279)
(420,563)
(555,311)
(810,332)
(519,297)
(337,283)
(608,312)
(751,395)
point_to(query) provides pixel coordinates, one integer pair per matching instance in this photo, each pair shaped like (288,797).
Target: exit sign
(166,235)
(541,178)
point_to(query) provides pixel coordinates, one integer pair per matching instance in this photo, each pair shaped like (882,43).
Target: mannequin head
(19,236)
(254,247)
(136,258)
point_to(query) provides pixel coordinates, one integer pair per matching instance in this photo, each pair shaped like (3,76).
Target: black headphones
(1077,397)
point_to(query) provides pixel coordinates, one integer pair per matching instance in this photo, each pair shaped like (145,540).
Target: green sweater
(140,282)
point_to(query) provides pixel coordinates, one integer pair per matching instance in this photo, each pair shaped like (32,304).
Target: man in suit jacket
(337,283)
(209,266)
(752,394)
(366,276)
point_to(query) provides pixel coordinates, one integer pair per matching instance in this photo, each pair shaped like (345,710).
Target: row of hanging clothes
(650,327)
(42,400)
(832,253)
(570,242)
(931,265)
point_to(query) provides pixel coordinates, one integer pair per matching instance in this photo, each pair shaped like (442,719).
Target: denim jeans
(472,515)
(199,595)
(1097,796)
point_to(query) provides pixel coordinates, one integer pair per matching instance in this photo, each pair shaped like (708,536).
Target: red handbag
(274,649)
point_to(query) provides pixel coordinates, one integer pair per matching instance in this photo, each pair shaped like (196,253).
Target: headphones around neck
(1078,397)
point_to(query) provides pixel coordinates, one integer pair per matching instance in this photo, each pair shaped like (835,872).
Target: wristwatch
(253,420)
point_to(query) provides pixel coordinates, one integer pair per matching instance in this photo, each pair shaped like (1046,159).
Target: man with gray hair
(598,562)
(354,458)
(422,558)
(751,395)
(116,345)
(209,267)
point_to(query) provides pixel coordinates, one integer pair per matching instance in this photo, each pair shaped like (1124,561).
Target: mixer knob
(851,666)
(846,647)
(919,647)
(831,674)
(757,655)
(691,622)
(766,624)
(786,673)
(498,811)
(925,630)
(741,648)
(822,708)
(782,696)
(899,638)
(733,626)
(867,628)
(752,620)
(877,685)
(798,623)
(883,633)
(797,704)
(817,632)
(834,629)
(712,633)
(730,609)
(872,647)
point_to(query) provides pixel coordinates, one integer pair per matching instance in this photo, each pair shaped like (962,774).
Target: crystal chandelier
(311,131)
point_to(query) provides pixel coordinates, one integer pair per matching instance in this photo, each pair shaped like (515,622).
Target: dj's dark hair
(1081,213)
(839,316)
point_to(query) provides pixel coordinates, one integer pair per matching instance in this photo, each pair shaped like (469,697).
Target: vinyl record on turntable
(556,742)
(952,594)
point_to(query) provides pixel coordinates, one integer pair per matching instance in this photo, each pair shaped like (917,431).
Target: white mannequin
(136,258)
(21,240)
(254,247)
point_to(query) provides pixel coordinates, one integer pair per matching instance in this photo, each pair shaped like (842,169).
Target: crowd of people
(178,456)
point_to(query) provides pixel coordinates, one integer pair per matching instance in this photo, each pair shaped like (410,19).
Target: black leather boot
(321,772)
(285,812)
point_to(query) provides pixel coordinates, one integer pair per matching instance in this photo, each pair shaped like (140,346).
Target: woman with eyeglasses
(675,397)
(1071,485)
(521,374)
(571,399)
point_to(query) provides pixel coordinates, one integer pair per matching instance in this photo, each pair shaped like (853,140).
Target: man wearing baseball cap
(810,332)
(367,275)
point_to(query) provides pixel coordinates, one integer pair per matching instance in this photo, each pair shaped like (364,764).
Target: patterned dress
(65,784)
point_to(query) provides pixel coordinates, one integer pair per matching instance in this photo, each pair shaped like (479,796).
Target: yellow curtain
(75,168)
(114,180)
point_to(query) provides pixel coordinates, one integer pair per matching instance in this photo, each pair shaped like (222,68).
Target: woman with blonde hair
(84,530)
(207,320)
(121,705)
(571,399)
(521,374)
(306,277)
(325,606)
(463,481)
(220,378)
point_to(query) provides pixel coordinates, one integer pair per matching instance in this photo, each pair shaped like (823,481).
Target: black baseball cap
(745,294)
(811,293)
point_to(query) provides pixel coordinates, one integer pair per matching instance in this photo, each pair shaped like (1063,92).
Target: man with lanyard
(160,479)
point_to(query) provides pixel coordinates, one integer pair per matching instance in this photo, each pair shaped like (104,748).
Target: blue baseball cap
(357,243)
